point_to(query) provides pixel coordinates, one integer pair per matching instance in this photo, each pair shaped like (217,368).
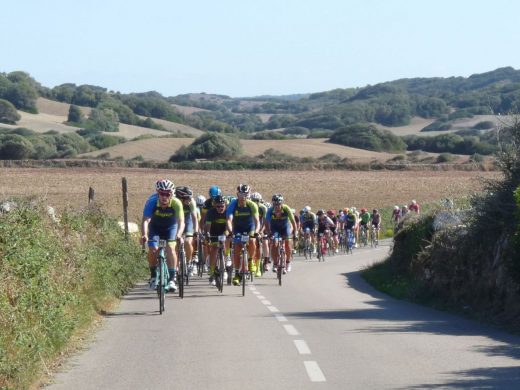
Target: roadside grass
(55,278)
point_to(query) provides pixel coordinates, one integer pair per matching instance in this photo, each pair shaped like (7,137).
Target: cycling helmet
(345,210)
(320,212)
(164,185)
(214,191)
(183,192)
(268,205)
(200,200)
(396,207)
(414,201)
(364,210)
(256,196)
(331,213)
(243,189)
(219,199)
(277,198)
(307,209)
(375,211)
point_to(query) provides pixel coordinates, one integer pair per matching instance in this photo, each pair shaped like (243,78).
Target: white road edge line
(291,330)
(273,309)
(302,347)
(314,372)
(265,302)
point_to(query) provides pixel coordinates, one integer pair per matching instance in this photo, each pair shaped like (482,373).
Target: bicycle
(307,244)
(363,237)
(350,240)
(162,274)
(322,246)
(279,245)
(201,255)
(182,275)
(220,268)
(243,270)
(373,237)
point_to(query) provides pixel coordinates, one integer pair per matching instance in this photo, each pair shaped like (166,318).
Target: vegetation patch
(55,277)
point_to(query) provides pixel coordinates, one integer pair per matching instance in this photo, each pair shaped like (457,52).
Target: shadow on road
(395,316)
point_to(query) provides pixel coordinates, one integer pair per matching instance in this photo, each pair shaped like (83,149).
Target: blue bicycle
(162,274)
(350,240)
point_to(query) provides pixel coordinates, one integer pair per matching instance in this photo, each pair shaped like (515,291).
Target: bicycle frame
(279,245)
(162,268)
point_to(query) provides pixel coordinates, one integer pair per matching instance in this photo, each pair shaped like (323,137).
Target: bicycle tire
(160,285)
(182,270)
(281,264)
(201,257)
(221,266)
(243,272)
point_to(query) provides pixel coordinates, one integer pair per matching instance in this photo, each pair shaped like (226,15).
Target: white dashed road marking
(280,317)
(314,371)
(273,309)
(302,347)
(291,330)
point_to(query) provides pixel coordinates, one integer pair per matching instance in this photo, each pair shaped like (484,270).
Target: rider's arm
(179,212)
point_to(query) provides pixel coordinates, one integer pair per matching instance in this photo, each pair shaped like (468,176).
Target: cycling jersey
(216,222)
(376,219)
(325,224)
(365,218)
(163,222)
(188,210)
(308,220)
(350,221)
(243,217)
(280,222)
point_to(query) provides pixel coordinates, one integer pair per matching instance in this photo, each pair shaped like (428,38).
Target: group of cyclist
(174,214)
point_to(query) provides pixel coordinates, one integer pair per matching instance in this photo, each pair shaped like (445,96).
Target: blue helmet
(214,191)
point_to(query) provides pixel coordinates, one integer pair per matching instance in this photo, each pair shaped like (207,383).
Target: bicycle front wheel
(161,284)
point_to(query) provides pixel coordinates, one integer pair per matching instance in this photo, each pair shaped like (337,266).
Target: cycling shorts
(309,225)
(155,234)
(283,230)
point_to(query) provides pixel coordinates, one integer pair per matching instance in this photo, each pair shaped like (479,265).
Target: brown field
(63,188)
(161,149)
(188,110)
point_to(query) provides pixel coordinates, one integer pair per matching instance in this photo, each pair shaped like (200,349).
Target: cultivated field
(62,188)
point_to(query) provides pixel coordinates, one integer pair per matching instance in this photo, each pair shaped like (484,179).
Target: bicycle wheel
(161,285)
(182,272)
(221,268)
(243,271)
(281,264)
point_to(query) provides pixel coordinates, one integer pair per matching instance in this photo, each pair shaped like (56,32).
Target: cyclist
(308,223)
(376,222)
(280,219)
(262,213)
(191,223)
(414,206)
(396,215)
(199,202)
(297,231)
(333,229)
(364,221)
(404,211)
(356,226)
(324,225)
(215,226)
(163,218)
(208,205)
(349,223)
(242,217)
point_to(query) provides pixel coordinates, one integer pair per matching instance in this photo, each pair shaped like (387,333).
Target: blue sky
(249,48)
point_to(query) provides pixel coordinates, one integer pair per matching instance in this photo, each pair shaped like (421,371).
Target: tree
(103,120)
(8,113)
(366,136)
(75,114)
(210,146)
(15,147)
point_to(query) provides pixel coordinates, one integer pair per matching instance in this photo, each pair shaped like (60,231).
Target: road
(324,328)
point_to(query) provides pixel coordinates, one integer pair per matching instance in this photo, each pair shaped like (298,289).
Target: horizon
(252,49)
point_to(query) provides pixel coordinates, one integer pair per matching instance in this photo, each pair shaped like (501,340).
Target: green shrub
(55,277)
(445,158)
(367,136)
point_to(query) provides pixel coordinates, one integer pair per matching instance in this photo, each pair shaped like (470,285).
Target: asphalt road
(324,328)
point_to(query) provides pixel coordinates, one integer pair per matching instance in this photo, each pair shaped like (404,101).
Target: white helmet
(164,185)
(306,209)
(256,196)
(396,207)
(199,200)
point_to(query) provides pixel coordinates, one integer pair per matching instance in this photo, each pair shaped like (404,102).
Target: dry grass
(188,110)
(328,189)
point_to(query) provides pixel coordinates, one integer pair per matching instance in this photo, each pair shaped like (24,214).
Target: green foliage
(15,147)
(75,115)
(104,119)
(209,146)
(8,113)
(102,141)
(20,89)
(269,135)
(445,158)
(297,130)
(439,125)
(484,125)
(366,136)
(55,277)
(450,143)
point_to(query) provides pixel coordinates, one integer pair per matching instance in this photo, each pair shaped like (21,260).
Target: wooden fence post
(125,205)
(90,195)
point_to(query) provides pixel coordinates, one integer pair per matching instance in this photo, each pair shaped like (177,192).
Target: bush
(445,158)
(366,136)
(210,146)
(69,271)
(8,113)
(484,125)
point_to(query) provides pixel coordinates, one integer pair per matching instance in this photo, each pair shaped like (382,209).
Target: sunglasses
(165,194)
(220,206)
